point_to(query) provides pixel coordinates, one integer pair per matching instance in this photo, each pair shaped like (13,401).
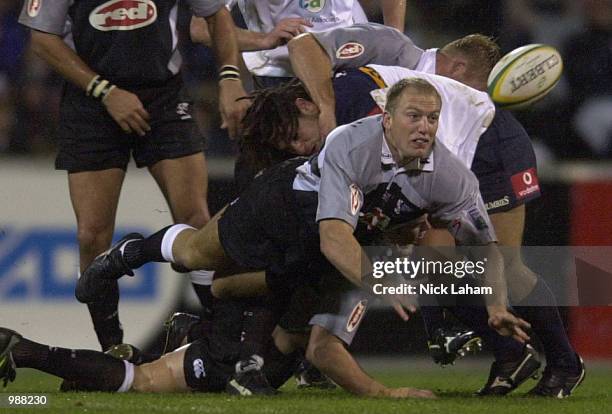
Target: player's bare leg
(94,196)
(184,183)
(165,374)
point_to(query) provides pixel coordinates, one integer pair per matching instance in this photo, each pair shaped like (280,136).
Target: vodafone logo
(525,183)
(123,15)
(350,50)
(34,7)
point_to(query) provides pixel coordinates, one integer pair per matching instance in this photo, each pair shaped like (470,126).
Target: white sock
(168,240)
(202,277)
(129,377)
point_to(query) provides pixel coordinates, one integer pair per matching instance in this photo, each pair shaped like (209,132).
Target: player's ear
(386,120)
(458,68)
(307,107)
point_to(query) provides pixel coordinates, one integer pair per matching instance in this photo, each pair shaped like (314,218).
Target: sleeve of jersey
(45,16)
(205,8)
(339,196)
(362,44)
(467,219)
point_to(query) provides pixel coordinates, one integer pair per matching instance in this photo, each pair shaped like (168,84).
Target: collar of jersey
(386,159)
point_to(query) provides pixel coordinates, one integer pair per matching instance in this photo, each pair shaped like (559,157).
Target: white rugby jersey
(466,112)
(263,15)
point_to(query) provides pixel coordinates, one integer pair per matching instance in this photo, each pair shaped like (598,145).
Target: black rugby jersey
(128,42)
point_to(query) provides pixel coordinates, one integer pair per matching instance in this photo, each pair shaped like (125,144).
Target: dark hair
(272,119)
(417,84)
(481,52)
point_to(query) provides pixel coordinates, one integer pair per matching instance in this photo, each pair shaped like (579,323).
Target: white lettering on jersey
(123,15)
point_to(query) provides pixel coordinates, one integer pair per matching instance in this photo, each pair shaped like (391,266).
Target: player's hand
(284,31)
(127,110)
(506,324)
(232,110)
(407,392)
(327,122)
(403,306)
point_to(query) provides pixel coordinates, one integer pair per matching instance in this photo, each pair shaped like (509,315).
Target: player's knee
(196,218)
(283,341)
(221,289)
(94,236)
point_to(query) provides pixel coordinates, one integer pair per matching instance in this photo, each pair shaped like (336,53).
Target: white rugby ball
(525,75)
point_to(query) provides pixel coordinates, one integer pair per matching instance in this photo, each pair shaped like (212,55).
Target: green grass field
(453,385)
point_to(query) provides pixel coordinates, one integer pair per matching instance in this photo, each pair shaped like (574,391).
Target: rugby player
(502,159)
(272,225)
(124,96)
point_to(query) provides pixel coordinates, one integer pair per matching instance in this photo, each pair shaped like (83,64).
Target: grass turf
(454,387)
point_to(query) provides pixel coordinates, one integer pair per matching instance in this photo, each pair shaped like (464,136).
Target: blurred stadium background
(571,130)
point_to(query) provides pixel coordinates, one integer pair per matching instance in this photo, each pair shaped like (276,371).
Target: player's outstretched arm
(225,46)
(125,107)
(313,67)
(328,353)
(285,30)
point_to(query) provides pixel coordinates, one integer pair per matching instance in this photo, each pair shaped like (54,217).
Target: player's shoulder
(505,125)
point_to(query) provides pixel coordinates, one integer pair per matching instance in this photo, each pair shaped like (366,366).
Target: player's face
(411,128)
(307,141)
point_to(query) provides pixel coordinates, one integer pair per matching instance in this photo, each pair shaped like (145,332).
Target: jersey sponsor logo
(497,203)
(182,110)
(525,183)
(123,15)
(198,368)
(313,6)
(356,199)
(34,7)
(350,50)
(356,316)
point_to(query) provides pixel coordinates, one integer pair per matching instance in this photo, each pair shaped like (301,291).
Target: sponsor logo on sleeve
(34,7)
(479,222)
(350,50)
(525,183)
(356,199)
(356,316)
(313,6)
(123,15)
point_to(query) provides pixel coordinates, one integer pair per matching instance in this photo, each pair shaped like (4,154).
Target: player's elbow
(296,44)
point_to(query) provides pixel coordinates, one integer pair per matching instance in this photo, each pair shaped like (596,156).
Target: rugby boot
(99,277)
(308,376)
(8,340)
(505,377)
(177,329)
(130,353)
(448,344)
(249,379)
(558,383)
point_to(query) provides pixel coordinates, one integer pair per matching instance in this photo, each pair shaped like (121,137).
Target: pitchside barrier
(39,259)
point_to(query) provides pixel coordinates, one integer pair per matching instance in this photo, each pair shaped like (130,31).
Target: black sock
(433,318)
(476,318)
(548,326)
(278,367)
(205,296)
(91,370)
(105,318)
(139,252)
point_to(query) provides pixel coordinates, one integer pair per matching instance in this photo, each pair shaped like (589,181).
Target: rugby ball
(525,76)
